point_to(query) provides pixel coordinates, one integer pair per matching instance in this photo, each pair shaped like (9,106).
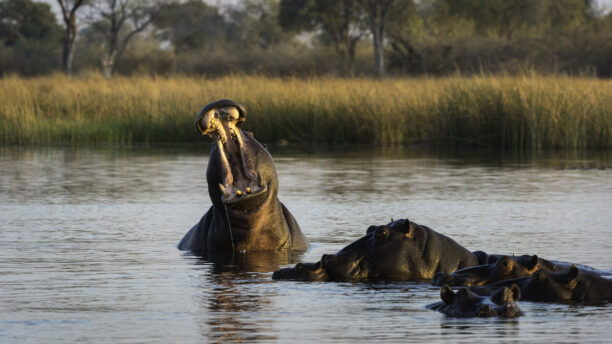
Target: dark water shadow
(507,328)
(236,287)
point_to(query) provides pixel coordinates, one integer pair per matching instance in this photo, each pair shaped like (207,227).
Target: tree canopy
(27,20)
(346,37)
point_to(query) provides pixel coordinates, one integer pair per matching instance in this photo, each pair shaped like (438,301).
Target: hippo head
(499,268)
(466,303)
(551,286)
(302,272)
(241,174)
(384,252)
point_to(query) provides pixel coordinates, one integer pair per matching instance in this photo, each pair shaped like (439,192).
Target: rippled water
(87,244)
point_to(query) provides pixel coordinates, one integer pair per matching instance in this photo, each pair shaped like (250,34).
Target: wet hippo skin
(466,303)
(505,267)
(571,284)
(246,214)
(501,267)
(399,250)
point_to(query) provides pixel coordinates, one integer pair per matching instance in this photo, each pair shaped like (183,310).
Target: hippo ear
(533,262)
(482,257)
(409,230)
(492,259)
(516,292)
(500,295)
(572,274)
(447,294)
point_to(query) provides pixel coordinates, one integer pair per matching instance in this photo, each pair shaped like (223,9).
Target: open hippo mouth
(242,187)
(247,201)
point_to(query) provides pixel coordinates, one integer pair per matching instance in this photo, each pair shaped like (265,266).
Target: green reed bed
(512,112)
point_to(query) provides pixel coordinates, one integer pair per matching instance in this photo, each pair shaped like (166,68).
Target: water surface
(88,236)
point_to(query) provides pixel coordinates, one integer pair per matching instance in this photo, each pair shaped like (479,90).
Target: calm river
(87,245)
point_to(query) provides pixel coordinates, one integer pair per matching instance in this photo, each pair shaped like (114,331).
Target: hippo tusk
(223,191)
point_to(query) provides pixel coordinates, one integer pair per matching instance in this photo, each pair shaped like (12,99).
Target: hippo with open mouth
(399,250)
(246,214)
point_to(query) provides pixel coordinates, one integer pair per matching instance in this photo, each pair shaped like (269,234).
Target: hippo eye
(299,266)
(382,233)
(504,264)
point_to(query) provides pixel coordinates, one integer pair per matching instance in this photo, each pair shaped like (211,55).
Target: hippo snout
(486,311)
(510,311)
(282,274)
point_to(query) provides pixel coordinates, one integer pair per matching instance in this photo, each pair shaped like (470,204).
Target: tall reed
(513,112)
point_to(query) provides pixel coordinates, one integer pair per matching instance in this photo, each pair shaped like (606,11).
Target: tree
(26,20)
(69,9)
(339,22)
(120,20)
(257,22)
(508,18)
(189,25)
(29,37)
(377,14)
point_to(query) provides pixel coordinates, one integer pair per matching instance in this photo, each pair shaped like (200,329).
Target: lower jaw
(248,205)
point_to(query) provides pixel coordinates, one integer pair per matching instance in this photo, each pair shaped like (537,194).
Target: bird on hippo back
(246,214)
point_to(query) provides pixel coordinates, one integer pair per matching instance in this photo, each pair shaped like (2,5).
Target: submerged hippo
(506,267)
(503,267)
(466,303)
(246,214)
(399,250)
(572,284)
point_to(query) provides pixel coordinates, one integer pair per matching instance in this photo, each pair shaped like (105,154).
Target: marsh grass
(511,112)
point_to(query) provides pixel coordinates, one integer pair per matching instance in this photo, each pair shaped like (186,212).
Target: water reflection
(230,306)
(88,244)
(487,329)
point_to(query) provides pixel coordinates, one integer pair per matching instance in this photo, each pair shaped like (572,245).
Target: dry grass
(513,112)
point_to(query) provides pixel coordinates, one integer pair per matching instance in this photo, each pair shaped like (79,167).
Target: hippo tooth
(261,182)
(248,190)
(238,192)
(223,191)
